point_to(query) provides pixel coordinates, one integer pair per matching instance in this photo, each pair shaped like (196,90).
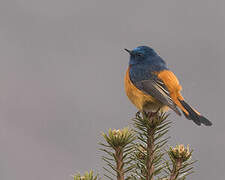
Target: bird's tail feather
(194,115)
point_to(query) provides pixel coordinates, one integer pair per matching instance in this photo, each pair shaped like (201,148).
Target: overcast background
(62,66)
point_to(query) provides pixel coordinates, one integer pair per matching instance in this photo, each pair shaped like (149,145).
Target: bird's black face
(140,54)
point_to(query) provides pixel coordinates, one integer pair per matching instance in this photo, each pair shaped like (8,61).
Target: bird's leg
(157,111)
(150,114)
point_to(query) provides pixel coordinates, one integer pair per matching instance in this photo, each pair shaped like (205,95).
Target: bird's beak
(129,51)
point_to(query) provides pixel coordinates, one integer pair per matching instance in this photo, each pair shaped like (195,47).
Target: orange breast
(136,96)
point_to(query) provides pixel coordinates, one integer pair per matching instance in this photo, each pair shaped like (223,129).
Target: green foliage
(180,164)
(140,154)
(150,129)
(179,152)
(117,152)
(119,138)
(87,176)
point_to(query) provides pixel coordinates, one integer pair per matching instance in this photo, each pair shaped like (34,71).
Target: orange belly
(142,101)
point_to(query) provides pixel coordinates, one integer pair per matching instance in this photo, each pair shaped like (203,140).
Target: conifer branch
(150,128)
(150,153)
(87,176)
(138,154)
(181,162)
(119,163)
(176,168)
(119,148)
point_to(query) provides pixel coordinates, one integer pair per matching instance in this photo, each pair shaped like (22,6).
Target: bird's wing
(157,89)
(165,87)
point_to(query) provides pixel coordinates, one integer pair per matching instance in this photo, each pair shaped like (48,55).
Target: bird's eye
(139,54)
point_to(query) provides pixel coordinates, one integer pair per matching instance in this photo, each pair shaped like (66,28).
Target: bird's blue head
(141,55)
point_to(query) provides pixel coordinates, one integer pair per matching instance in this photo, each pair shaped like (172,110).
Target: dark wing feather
(157,89)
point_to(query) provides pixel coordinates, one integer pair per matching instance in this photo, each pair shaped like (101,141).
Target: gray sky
(61,73)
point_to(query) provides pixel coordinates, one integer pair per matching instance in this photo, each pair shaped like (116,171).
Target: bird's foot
(152,114)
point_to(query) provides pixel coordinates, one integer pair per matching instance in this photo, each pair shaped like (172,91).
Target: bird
(151,86)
